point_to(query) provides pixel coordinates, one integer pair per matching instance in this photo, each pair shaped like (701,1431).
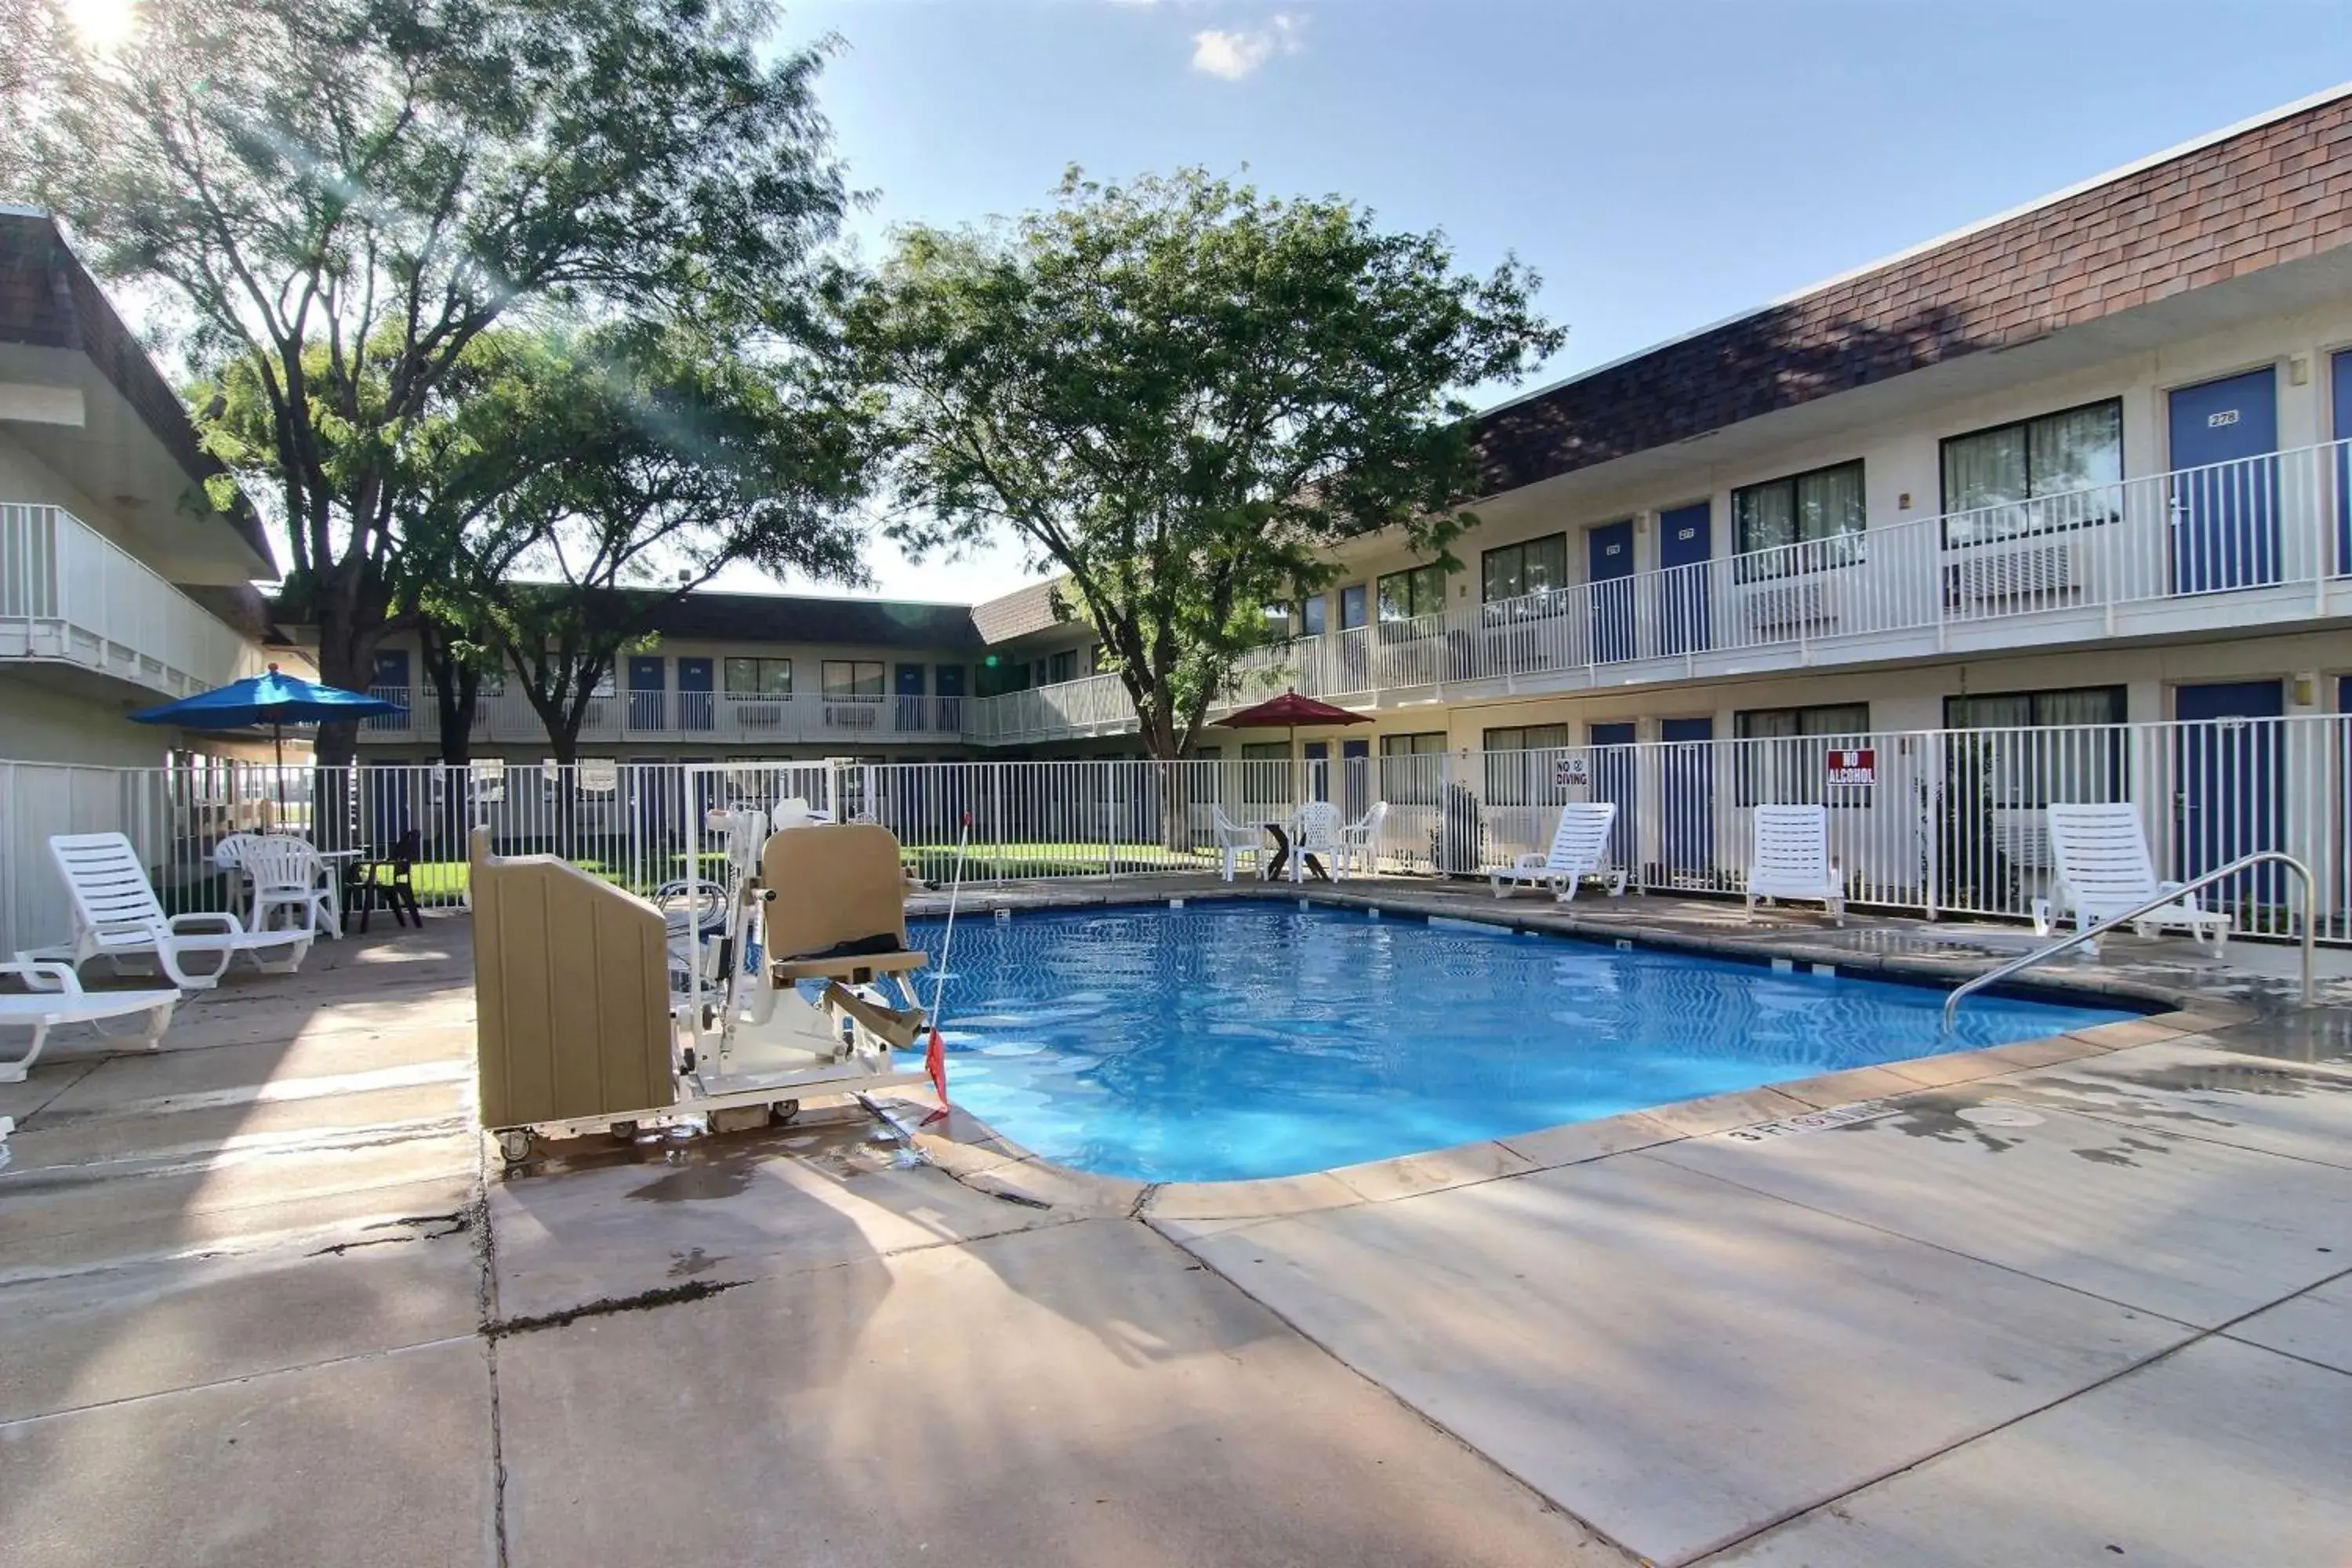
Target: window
(604,687)
(1803,509)
(1515,777)
(1410,768)
(1788,762)
(1351,606)
(1418,591)
(2035,709)
(1061,666)
(1528,738)
(1510,570)
(852,680)
(2014,768)
(769,677)
(2061,470)
(1312,612)
(1266,784)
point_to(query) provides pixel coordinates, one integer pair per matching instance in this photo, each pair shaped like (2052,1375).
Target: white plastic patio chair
(1360,843)
(116,915)
(2099,859)
(1231,840)
(229,855)
(1791,859)
(290,878)
(1316,830)
(61,1000)
(1580,842)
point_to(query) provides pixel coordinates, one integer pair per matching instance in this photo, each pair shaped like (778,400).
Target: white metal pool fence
(1928,823)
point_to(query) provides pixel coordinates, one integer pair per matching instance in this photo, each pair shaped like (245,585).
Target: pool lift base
(765,1032)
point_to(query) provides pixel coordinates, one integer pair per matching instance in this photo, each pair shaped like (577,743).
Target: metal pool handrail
(2173,896)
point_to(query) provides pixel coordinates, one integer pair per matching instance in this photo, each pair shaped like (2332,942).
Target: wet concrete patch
(2133,1211)
(2320,1034)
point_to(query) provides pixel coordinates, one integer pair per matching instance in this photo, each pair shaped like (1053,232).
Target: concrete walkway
(260,1304)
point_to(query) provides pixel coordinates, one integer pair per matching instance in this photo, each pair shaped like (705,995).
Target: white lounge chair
(61,1000)
(1580,842)
(1359,842)
(1231,840)
(2099,855)
(1792,859)
(117,915)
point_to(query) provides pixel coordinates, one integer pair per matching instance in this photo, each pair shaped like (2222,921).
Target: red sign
(1854,767)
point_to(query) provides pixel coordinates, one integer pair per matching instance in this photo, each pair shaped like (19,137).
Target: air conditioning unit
(759,715)
(2036,575)
(850,715)
(1805,608)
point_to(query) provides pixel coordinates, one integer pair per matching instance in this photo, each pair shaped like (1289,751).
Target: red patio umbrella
(1290,710)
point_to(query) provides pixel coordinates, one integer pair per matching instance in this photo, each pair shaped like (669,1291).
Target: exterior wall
(40,725)
(25,478)
(2309,665)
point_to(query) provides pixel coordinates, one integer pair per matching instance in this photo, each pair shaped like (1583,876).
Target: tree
(658,457)
(344,194)
(1183,395)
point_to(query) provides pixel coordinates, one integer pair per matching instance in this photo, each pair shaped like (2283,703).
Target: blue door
(1686,539)
(648,691)
(952,697)
(910,691)
(1689,791)
(389,680)
(1356,778)
(694,699)
(2230,778)
(1609,555)
(1318,770)
(1613,779)
(2225,509)
(2342,398)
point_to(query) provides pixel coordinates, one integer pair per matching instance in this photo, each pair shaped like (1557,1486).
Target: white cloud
(1235,53)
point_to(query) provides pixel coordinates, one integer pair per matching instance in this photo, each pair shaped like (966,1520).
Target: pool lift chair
(597,1013)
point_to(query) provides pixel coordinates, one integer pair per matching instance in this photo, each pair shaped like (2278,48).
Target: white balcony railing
(1091,705)
(69,595)
(2260,542)
(686,719)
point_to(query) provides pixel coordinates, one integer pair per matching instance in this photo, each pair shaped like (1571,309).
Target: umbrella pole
(278,773)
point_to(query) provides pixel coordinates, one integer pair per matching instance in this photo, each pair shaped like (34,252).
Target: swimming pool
(1240,1039)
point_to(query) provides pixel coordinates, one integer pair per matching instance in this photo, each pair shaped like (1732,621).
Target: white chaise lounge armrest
(43,974)
(222,923)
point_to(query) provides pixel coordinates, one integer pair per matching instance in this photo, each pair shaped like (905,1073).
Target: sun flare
(104,25)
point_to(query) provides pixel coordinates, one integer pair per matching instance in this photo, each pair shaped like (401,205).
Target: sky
(1661,163)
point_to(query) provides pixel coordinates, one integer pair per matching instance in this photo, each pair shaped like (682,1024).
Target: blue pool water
(1237,1040)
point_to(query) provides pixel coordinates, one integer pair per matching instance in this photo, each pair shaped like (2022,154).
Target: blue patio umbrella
(273,699)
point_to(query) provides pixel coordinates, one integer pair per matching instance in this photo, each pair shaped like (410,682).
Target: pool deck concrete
(266,1298)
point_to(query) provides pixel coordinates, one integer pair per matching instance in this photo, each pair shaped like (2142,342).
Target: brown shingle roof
(1019,613)
(2271,193)
(49,300)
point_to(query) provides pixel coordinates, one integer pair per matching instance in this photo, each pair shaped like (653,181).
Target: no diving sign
(1854,767)
(1568,771)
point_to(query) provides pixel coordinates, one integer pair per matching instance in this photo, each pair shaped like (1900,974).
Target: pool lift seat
(823,923)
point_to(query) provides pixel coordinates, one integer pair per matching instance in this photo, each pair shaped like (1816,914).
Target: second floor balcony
(684,720)
(2263,542)
(71,597)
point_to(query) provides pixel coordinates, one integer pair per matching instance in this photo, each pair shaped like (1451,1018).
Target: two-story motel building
(2081,462)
